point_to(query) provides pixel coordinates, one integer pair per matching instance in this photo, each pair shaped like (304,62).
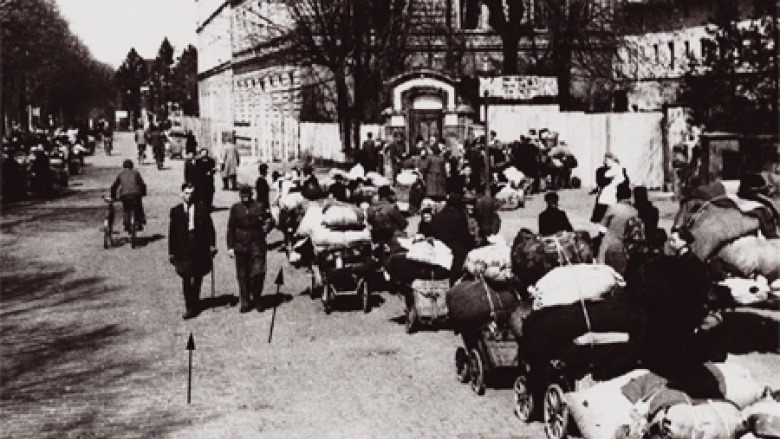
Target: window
(687,49)
(656,53)
(671,54)
(707,48)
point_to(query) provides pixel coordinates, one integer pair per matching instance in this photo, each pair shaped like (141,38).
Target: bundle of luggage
(579,304)
(533,255)
(510,198)
(493,262)
(723,402)
(473,303)
(336,225)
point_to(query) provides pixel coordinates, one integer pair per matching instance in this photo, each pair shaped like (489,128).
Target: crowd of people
(40,162)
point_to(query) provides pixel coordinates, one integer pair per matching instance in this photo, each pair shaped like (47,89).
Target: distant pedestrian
(190,171)
(392,154)
(614,175)
(191,246)
(248,223)
(205,167)
(370,154)
(229,166)
(553,220)
(434,170)
(140,140)
(262,187)
(191,144)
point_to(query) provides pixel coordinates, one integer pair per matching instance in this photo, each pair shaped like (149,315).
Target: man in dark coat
(248,223)
(370,154)
(205,167)
(262,187)
(129,187)
(191,145)
(553,220)
(190,171)
(191,246)
(451,227)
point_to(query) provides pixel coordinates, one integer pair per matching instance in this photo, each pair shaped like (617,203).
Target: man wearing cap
(248,223)
(553,220)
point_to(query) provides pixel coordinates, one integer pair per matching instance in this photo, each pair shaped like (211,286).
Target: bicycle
(108,225)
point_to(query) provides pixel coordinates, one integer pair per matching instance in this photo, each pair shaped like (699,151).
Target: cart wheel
(412,322)
(477,372)
(556,414)
(326,298)
(462,365)
(365,296)
(108,239)
(524,400)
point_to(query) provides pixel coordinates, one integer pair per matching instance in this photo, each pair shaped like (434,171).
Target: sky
(110,28)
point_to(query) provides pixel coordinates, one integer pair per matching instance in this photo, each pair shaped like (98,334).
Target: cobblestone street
(93,344)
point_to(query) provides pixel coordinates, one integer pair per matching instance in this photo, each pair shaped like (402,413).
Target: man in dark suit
(553,220)
(262,187)
(205,167)
(248,223)
(191,246)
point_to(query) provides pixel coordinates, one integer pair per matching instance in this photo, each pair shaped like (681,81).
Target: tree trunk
(510,42)
(343,112)
(562,65)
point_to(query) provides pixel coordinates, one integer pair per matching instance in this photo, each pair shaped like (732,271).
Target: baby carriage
(346,270)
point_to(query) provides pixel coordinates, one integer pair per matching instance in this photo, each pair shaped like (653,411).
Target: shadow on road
(219,301)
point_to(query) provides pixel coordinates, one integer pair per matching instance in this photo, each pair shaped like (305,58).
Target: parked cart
(346,270)
(485,350)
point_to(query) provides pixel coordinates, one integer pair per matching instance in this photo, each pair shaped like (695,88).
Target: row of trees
(47,67)
(362,43)
(163,80)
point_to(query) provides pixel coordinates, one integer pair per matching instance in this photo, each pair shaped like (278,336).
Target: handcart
(428,304)
(543,385)
(485,350)
(345,270)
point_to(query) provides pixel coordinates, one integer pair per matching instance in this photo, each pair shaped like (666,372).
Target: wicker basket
(430,298)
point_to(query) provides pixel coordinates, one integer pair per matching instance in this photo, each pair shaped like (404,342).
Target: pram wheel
(412,322)
(462,365)
(556,413)
(524,401)
(365,295)
(477,372)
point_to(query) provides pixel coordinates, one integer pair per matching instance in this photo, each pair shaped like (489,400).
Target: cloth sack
(714,226)
(762,419)
(493,262)
(571,283)
(323,238)
(407,178)
(514,176)
(602,409)
(711,420)
(435,206)
(510,198)
(357,172)
(376,179)
(569,247)
(473,303)
(751,255)
(747,291)
(343,217)
(430,251)
(292,200)
(312,220)
(736,384)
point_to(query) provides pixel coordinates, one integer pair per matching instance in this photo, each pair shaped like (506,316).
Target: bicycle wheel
(107,235)
(133,231)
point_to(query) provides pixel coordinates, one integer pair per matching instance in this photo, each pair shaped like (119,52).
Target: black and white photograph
(389,219)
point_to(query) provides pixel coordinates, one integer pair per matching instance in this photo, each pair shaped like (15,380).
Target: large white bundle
(493,262)
(569,284)
(357,172)
(435,206)
(324,238)
(407,177)
(736,384)
(514,176)
(430,251)
(376,179)
(311,220)
(291,201)
(712,420)
(510,198)
(751,255)
(342,217)
(600,410)
(747,291)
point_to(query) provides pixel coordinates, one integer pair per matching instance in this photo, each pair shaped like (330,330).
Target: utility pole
(487,142)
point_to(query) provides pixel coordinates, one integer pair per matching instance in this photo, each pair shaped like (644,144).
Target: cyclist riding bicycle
(130,188)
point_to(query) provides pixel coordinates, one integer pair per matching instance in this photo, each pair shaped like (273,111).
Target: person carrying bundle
(386,219)
(451,227)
